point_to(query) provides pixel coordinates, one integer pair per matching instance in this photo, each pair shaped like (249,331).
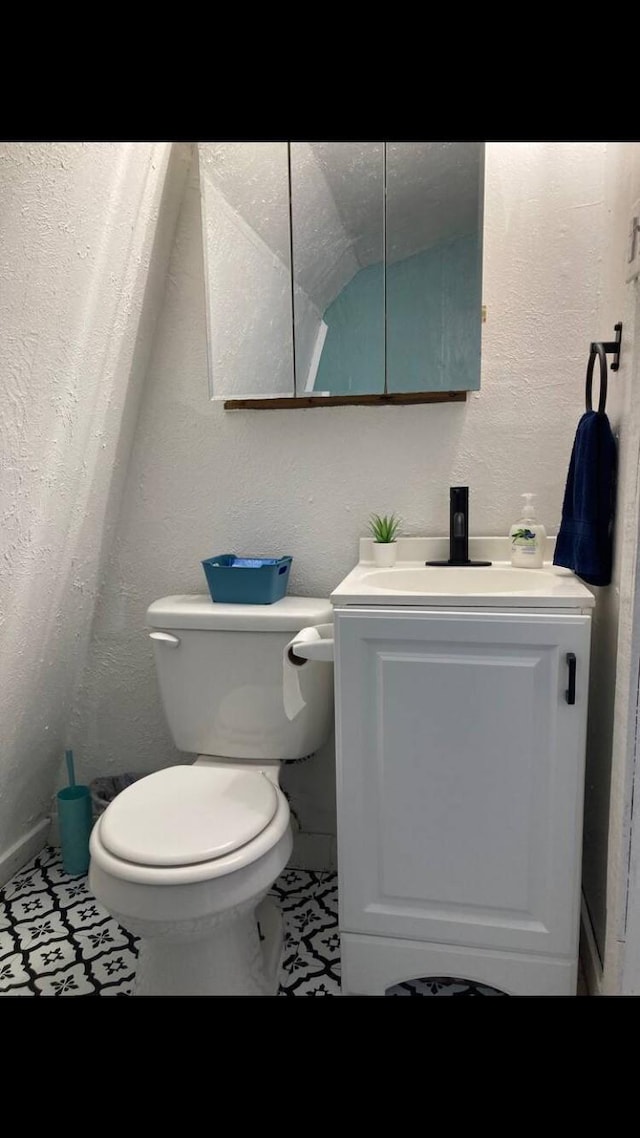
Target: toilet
(184,857)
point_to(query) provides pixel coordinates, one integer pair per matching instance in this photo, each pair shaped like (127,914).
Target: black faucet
(458,529)
(459,525)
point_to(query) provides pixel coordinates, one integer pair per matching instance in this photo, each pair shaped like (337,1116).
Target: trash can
(104,790)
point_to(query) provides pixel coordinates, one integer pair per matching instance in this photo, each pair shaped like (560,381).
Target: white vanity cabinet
(460,757)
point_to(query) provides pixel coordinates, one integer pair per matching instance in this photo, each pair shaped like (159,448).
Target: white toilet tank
(221,673)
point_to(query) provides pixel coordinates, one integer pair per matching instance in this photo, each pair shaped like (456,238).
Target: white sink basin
(470,579)
(411,583)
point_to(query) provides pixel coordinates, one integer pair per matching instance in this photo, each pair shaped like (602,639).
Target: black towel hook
(599,351)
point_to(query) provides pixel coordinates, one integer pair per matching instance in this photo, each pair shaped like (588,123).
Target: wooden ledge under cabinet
(300,402)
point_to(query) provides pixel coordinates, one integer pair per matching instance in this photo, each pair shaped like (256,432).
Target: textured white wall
(618,607)
(202,480)
(601,877)
(82,255)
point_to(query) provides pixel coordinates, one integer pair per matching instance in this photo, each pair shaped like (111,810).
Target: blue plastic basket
(259,581)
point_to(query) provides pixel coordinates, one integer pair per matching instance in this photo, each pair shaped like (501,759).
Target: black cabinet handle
(571,690)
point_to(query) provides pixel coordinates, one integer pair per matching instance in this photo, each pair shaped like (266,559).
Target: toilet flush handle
(166,637)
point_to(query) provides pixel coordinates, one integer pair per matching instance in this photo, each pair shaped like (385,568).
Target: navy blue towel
(585,540)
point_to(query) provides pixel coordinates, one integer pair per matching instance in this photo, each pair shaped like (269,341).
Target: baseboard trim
(23,850)
(589,952)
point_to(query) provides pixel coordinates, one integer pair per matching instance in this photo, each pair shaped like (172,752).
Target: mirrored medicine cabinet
(342,272)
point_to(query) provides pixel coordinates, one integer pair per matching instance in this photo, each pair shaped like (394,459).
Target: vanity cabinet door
(460,776)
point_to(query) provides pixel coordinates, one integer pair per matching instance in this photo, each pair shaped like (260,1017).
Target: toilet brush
(75,818)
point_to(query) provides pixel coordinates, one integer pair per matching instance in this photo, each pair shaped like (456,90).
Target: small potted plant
(384,531)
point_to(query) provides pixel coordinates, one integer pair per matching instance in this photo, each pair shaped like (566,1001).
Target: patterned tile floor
(56,940)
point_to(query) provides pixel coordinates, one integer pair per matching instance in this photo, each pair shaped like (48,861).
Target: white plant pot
(384,553)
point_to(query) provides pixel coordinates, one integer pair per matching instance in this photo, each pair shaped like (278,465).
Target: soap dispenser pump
(528,538)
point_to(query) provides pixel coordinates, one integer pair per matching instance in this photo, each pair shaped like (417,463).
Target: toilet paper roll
(292,695)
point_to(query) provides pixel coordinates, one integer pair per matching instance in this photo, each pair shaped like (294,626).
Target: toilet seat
(192,873)
(185,815)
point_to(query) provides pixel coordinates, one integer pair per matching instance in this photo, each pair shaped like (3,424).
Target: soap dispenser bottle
(528,538)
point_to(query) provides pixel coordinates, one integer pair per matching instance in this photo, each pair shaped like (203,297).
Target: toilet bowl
(193,906)
(184,857)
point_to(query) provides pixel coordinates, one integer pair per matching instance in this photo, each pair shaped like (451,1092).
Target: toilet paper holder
(320,649)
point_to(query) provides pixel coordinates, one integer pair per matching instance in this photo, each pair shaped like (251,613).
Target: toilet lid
(185,815)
